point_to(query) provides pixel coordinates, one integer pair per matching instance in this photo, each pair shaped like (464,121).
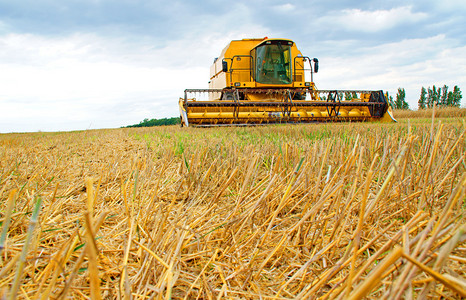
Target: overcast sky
(87,64)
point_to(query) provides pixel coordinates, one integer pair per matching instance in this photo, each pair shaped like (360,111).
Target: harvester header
(262,81)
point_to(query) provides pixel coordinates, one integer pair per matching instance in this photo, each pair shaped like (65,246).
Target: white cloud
(87,81)
(80,80)
(67,83)
(109,69)
(373,21)
(409,64)
(284,8)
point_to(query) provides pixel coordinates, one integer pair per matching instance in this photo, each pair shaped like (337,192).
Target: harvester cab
(263,81)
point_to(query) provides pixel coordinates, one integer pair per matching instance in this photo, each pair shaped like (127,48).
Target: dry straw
(276,212)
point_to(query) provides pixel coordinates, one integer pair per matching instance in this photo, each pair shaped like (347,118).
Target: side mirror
(316,64)
(224,66)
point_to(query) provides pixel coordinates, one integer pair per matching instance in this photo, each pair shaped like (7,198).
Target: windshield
(273,64)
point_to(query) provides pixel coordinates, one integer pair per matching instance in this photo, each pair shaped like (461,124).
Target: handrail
(304,58)
(231,69)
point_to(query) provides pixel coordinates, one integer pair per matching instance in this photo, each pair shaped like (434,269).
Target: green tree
(400,102)
(422,103)
(443,97)
(440,97)
(157,122)
(450,99)
(390,101)
(348,96)
(430,98)
(433,96)
(456,99)
(340,96)
(437,97)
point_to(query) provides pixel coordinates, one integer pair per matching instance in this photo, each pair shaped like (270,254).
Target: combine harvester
(262,81)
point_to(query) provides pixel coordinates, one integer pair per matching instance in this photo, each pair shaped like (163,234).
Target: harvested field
(439,112)
(289,211)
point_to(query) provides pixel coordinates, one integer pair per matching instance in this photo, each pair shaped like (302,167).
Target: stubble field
(287,211)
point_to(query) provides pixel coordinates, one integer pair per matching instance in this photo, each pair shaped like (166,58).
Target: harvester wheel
(227,96)
(298,96)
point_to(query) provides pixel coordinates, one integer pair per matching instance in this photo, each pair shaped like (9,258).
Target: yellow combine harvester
(261,81)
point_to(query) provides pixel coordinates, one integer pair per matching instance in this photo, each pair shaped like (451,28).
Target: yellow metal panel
(354,112)
(220,79)
(299,84)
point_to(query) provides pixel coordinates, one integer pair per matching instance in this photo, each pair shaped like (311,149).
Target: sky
(89,64)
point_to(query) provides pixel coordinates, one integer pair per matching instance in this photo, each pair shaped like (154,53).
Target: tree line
(157,122)
(429,97)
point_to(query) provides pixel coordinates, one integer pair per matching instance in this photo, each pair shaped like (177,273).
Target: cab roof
(274,42)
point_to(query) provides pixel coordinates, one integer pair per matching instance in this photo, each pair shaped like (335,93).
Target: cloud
(66,65)
(88,79)
(69,82)
(374,21)
(284,8)
(409,64)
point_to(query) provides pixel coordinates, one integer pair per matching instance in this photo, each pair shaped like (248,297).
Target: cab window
(273,63)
